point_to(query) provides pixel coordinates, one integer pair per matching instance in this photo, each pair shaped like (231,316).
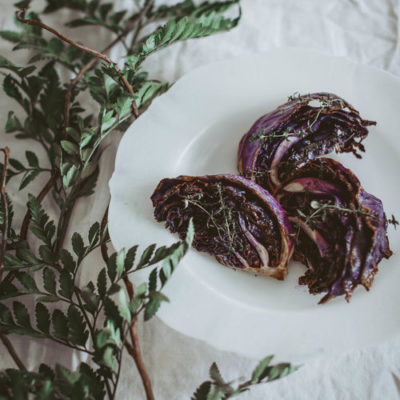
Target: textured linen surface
(366,31)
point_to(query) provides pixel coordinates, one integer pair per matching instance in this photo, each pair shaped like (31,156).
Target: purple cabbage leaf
(304,128)
(340,228)
(235,220)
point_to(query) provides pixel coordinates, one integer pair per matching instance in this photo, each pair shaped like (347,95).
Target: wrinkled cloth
(366,31)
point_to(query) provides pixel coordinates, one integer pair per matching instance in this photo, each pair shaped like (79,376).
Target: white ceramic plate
(194,129)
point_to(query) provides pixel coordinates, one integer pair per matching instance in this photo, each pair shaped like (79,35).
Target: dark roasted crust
(343,250)
(250,208)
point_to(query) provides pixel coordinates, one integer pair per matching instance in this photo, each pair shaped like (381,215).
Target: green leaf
(109,335)
(185,7)
(215,375)
(60,325)
(148,91)
(69,147)
(42,227)
(27,282)
(70,176)
(10,88)
(42,318)
(190,233)
(140,290)
(158,296)
(102,283)
(16,164)
(73,133)
(182,29)
(120,263)
(108,120)
(90,167)
(178,251)
(67,377)
(104,10)
(66,284)
(27,255)
(12,262)
(113,289)
(123,306)
(23,4)
(130,258)
(47,255)
(32,159)
(135,304)
(9,290)
(49,280)
(11,36)
(117,17)
(5,63)
(202,391)
(91,299)
(13,124)
(78,245)
(5,315)
(54,5)
(153,280)
(76,23)
(151,309)
(279,371)
(163,252)
(260,369)
(112,267)
(21,314)
(112,312)
(67,260)
(109,358)
(94,232)
(78,334)
(146,256)
(55,45)
(218,394)
(28,178)
(86,139)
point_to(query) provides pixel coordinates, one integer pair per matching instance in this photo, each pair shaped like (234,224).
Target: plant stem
(65,215)
(12,351)
(91,63)
(109,391)
(68,96)
(20,15)
(118,374)
(339,209)
(91,329)
(104,250)
(137,356)
(134,351)
(4,206)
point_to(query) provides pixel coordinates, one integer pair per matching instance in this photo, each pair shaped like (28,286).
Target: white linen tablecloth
(366,31)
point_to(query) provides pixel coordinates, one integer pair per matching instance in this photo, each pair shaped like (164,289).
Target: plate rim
(188,76)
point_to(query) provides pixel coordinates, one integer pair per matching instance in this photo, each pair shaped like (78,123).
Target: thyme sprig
(287,134)
(323,209)
(227,227)
(325,102)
